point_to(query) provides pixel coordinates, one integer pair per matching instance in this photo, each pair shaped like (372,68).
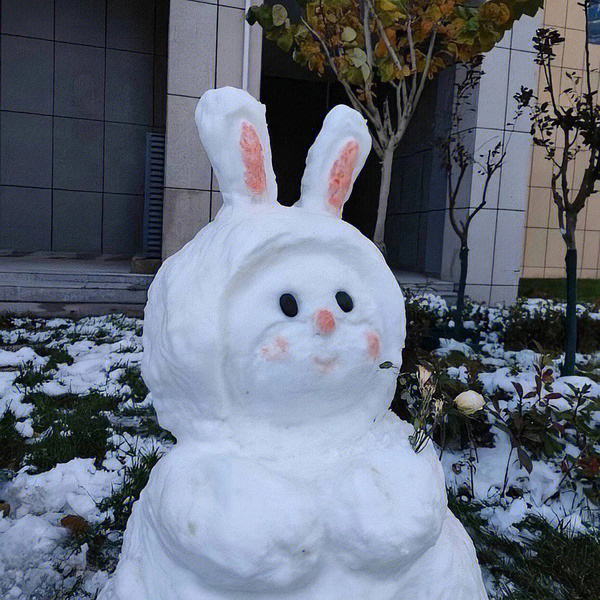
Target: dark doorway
(297,102)
(417,204)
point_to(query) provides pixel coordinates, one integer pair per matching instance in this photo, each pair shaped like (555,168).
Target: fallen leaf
(75,524)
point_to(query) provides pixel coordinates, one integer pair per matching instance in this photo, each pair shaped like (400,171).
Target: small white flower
(469,402)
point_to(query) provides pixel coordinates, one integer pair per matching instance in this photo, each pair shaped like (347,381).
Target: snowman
(264,339)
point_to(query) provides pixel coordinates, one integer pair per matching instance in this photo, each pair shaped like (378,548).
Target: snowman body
(264,339)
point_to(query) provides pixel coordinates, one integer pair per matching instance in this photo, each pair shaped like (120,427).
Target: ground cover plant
(520,444)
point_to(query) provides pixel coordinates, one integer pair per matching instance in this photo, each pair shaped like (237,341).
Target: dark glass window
(594,21)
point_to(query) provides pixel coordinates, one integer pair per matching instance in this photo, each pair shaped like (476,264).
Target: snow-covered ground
(35,559)
(41,558)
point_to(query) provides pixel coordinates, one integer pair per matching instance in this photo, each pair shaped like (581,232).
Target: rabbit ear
(233,130)
(334,161)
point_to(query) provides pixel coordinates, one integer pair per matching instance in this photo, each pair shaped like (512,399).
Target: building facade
(85,83)
(82,83)
(544,252)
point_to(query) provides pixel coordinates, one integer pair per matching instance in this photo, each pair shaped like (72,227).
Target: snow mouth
(325,364)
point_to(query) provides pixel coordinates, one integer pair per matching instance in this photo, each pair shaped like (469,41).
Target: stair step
(19,293)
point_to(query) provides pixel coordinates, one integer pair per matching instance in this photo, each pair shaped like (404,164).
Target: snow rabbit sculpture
(263,336)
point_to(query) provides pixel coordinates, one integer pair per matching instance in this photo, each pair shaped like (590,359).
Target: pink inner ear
(340,177)
(254,160)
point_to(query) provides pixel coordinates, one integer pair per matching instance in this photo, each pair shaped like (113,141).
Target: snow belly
(222,527)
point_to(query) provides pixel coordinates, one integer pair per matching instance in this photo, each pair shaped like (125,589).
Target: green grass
(588,290)
(12,444)
(135,479)
(52,409)
(69,426)
(104,539)
(55,355)
(146,424)
(7,321)
(547,563)
(31,376)
(132,377)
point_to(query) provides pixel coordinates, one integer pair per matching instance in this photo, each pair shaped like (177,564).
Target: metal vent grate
(153,195)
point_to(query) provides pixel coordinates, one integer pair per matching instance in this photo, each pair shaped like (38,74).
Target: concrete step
(420,283)
(128,281)
(27,281)
(59,294)
(54,283)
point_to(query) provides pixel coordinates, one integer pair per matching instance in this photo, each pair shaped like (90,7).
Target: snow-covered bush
(536,438)
(538,323)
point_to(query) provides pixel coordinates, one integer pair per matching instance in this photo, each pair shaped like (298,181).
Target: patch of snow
(451,345)
(71,488)
(20,357)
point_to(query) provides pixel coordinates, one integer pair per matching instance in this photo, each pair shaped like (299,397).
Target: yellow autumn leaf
(426,26)
(365,71)
(380,49)
(447,7)
(433,13)
(279,15)
(357,56)
(387,5)
(497,13)
(348,34)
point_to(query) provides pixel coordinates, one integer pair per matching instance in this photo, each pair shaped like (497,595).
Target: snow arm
(233,523)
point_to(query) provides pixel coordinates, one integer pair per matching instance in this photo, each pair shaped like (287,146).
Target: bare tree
(458,158)
(567,126)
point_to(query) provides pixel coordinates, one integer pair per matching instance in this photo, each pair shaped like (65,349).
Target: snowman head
(273,314)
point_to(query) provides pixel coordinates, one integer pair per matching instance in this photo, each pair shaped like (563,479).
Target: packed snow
(263,340)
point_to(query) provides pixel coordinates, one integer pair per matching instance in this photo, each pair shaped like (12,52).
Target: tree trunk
(462,284)
(384,194)
(571,320)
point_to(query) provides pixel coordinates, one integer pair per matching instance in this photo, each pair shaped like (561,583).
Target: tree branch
(356,103)
(413,55)
(384,36)
(370,62)
(415,96)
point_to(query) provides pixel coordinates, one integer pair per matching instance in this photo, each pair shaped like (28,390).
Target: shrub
(423,316)
(541,324)
(544,562)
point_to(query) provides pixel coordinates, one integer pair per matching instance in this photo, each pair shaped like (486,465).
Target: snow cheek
(373,344)
(276,350)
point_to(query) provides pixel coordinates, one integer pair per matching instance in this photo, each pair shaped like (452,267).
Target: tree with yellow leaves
(383,52)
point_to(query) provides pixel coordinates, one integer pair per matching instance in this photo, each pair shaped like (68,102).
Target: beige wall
(205,51)
(544,248)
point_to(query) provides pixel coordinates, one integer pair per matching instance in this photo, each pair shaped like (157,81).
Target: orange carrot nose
(325,321)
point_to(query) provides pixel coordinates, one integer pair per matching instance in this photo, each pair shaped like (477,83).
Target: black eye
(345,301)
(289,305)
